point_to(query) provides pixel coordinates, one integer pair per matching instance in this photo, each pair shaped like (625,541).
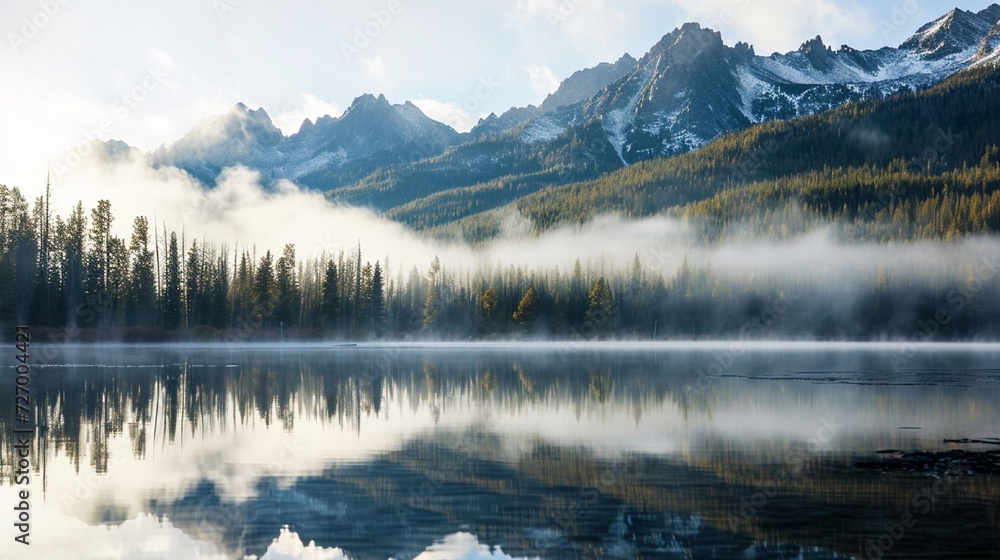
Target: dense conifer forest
(910,166)
(71,276)
(918,166)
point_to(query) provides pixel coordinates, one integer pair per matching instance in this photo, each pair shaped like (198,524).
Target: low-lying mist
(662,273)
(241,211)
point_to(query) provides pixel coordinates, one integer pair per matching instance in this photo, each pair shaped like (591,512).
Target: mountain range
(686,91)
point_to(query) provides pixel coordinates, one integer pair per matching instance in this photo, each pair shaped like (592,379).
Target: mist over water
(719,340)
(243,212)
(496,451)
(669,278)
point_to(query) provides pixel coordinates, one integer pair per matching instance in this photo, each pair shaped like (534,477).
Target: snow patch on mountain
(542,129)
(752,88)
(617,121)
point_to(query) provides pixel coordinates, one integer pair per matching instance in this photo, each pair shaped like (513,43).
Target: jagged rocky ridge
(687,90)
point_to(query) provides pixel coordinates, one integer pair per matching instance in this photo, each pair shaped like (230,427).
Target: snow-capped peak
(952,33)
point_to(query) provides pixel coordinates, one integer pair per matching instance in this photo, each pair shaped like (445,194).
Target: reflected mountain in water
(554,452)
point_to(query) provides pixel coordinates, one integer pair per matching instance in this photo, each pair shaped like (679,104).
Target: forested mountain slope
(922,164)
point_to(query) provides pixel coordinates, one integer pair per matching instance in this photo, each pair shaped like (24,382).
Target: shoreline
(537,344)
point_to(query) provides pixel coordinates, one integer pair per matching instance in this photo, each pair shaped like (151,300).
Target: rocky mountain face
(690,87)
(581,86)
(687,90)
(371,134)
(240,137)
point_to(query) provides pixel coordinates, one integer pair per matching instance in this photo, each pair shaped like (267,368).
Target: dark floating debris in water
(954,462)
(987,441)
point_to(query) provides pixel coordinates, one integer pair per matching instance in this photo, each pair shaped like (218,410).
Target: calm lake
(506,451)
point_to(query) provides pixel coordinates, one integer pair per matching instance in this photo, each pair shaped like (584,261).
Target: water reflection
(548,452)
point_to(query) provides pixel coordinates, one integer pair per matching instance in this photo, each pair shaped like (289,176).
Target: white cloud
(451,114)
(462,546)
(312,108)
(240,210)
(595,27)
(147,536)
(756,22)
(543,80)
(143,537)
(557,13)
(288,546)
(53,97)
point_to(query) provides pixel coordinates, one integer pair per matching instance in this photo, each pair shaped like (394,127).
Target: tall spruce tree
(97,289)
(288,289)
(526,313)
(141,299)
(192,287)
(600,312)
(378,300)
(330,310)
(173,305)
(265,291)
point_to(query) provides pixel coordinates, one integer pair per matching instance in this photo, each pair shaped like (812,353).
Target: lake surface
(505,451)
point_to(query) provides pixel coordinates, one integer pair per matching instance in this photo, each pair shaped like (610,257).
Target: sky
(145,73)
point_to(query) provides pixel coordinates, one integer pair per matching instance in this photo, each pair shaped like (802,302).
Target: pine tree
(330,311)
(141,299)
(14,238)
(356,303)
(378,299)
(220,291)
(488,307)
(118,279)
(8,298)
(23,248)
(600,312)
(577,305)
(288,290)
(192,287)
(98,292)
(43,299)
(527,310)
(365,307)
(433,303)
(265,291)
(173,306)
(242,292)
